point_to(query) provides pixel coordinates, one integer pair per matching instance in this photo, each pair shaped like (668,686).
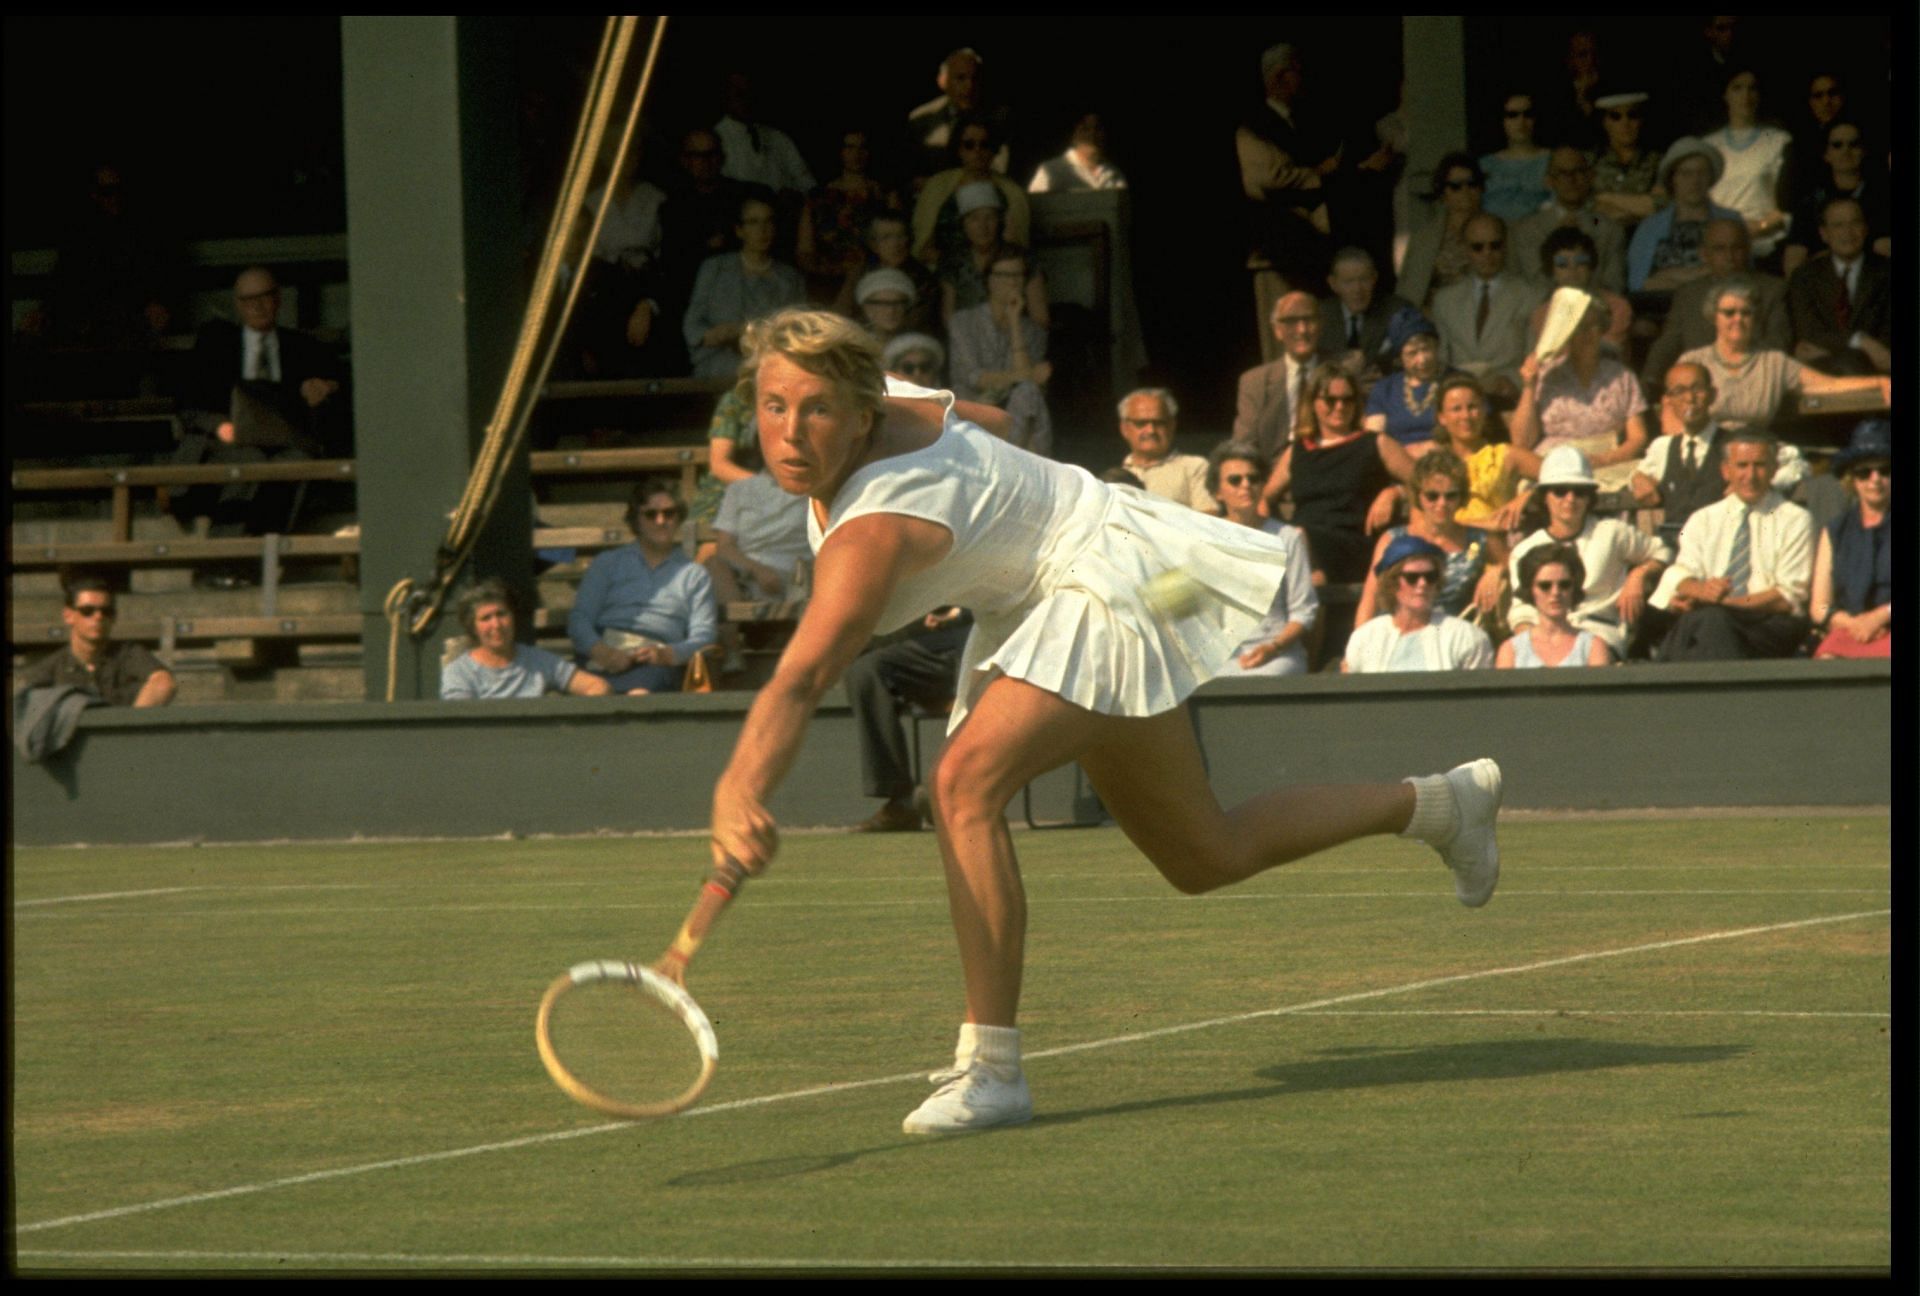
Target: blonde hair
(824,344)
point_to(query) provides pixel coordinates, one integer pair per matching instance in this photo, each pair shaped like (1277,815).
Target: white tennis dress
(1054,564)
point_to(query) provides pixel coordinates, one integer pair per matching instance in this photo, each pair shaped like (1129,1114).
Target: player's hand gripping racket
(627,1039)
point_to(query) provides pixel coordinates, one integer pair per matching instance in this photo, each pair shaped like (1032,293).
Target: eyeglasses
(1436,497)
(1571,260)
(1238,479)
(93,609)
(1149,422)
(1684,390)
(1330,399)
(1493,246)
(1421,576)
(1554,586)
(661,515)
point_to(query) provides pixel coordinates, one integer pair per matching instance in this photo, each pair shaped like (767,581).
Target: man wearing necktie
(1483,318)
(1745,569)
(1841,302)
(1354,322)
(1268,401)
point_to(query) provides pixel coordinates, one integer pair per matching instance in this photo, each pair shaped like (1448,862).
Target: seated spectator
(736,287)
(1754,163)
(1271,398)
(1516,174)
(1340,477)
(1843,172)
(837,217)
(756,153)
(1495,469)
(1842,300)
(930,127)
(700,219)
(759,542)
(1626,177)
(117,276)
(886,298)
(643,610)
(1083,166)
(498,667)
(1750,382)
(118,674)
(1853,562)
(917,358)
(1570,176)
(1118,476)
(1664,252)
(883,684)
(1681,470)
(1236,470)
(1584,398)
(1550,586)
(1806,166)
(999,354)
(1436,253)
(1472,575)
(1413,634)
(887,243)
(1739,586)
(1149,418)
(963,269)
(733,451)
(1403,404)
(1574,118)
(1689,324)
(627,316)
(937,214)
(1566,260)
(1483,318)
(1356,320)
(1619,563)
(1285,161)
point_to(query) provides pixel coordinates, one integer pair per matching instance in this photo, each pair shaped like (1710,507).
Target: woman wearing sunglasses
(1437,251)
(1517,174)
(1415,634)
(1341,477)
(1626,177)
(1567,259)
(1853,564)
(1235,472)
(1469,579)
(1751,382)
(1551,577)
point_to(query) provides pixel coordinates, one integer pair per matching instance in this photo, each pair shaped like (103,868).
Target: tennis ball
(1172,594)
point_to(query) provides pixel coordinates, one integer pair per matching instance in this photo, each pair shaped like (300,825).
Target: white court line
(558,1262)
(105,895)
(211,886)
(848,1086)
(1582,1012)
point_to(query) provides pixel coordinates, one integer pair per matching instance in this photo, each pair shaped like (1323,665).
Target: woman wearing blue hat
(1404,404)
(1414,635)
(1853,565)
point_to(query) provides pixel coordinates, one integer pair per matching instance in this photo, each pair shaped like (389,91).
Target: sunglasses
(1571,260)
(1554,586)
(100,609)
(1239,479)
(919,366)
(1331,399)
(661,515)
(1493,246)
(1424,576)
(1435,497)
(1874,470)
(1461,184)
(1561,492)
(1851,144)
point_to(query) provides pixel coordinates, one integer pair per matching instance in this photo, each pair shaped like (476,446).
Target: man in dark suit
(1725,249)
(1267,402)
(1354,321)
(1841,301)
(1283,163)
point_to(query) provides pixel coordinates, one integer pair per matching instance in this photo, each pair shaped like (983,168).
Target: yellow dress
(1492,482)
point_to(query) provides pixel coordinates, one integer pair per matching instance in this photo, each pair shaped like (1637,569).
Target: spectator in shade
(1083,166)
(1698,77)
(1570,176)
(117,275)
(1689,324)
(1404,404)
(1853,561)
(1271,398)
(937,216)
(1236,470)
(1752,383)
(1284,163)
(1584,398)
(1626,177)
(1495,469)
(497,666)
(1413,634)
(1517,173)
(628,322)
(733,451)
(1575,118)
(1483,318)
(1681,470)
(643,610)
(1754,157)
(887,249)
(1826,104)
(1472,574)
(1551,585)
(1356,320)
(1619,563)
(963,269)
(757,153)
(1842,171)
(1149,418)
(836,218)
(123,674)
(1567,259)
(700,219)
(1842,300)
(1340,477)
(736,287)
(883,685)
(1739,585)
(917,358)
(886,299)
(999,354)
(759,542)
(1664,252)
(931,126)
(1437,251)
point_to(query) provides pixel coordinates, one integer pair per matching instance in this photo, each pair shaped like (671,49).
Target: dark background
(232,127)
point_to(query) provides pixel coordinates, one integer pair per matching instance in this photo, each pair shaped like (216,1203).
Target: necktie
(1294,386)
(1692,460)
(1486,309)
(1740,562)
(1843,309)
(1353,332)
(262,360)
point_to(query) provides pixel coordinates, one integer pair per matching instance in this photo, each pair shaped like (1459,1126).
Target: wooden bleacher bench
(122,482)
(616,388)
(688,460)
(1853,402)
(141,409)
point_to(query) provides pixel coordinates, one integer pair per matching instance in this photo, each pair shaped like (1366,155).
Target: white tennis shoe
(975,1098)
(1473,854)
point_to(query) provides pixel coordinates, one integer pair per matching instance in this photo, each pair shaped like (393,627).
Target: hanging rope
(407,607)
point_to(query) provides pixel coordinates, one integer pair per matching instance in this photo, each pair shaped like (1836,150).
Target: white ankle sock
(997,1046)
(1435,817)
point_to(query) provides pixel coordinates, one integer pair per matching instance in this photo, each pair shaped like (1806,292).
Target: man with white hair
(1268,400)
(1282,171)
(962,80)
(1149,417)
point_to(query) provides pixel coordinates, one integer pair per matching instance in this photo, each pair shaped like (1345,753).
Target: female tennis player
(1078,653)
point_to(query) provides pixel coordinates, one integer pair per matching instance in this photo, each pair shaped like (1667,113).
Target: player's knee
(965,783)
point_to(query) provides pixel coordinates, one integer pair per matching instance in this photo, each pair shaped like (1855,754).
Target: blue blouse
(1516,187)
(1389,397)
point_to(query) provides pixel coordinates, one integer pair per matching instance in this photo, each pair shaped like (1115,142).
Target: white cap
(1566,466)
(975,195)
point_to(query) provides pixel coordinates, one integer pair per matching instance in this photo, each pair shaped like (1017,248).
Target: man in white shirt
(1148,420)
(1745,567)
(1483,318)
(1570,176)
(1083,166)
(757,153)
(1681,470)
(1268,401)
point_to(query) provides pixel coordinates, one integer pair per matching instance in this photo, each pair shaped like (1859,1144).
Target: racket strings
(624,1043)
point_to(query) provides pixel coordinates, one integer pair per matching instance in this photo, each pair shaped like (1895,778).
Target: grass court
(1665,1043)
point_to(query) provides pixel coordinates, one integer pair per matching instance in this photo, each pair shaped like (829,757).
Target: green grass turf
(304,1009)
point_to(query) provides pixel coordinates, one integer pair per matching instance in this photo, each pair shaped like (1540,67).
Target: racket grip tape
(715,895)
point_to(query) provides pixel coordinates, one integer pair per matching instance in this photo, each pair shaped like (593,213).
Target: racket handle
(715,895)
